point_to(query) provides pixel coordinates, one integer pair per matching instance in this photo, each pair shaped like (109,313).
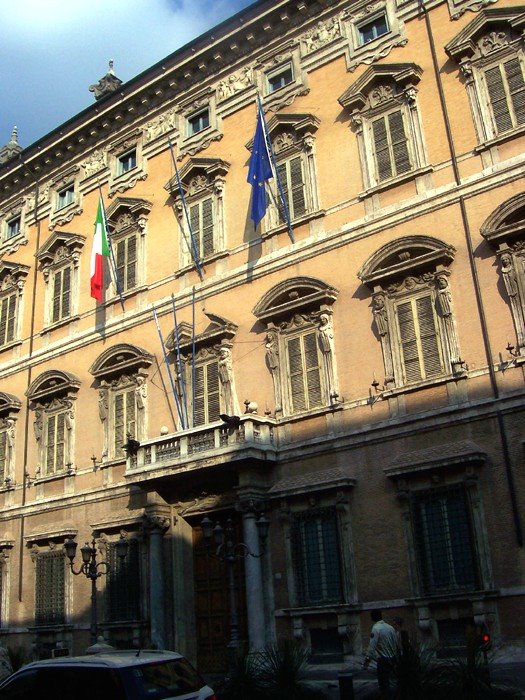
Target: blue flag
(260,169)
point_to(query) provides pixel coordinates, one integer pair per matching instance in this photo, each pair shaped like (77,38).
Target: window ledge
(395,181)
(454,596)
(321,609)
(500,138)
(9,346)
(115,298)
(319,411)
(59,324)
(205,261)
(407,388)
(54,477)
(281,228)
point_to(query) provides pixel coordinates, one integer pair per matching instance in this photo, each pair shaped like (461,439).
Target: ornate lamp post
(92,570)
(228,551)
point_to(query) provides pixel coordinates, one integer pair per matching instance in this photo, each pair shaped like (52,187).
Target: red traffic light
(485,638)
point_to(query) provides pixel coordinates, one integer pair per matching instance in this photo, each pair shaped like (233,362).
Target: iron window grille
(317,557)
(123,583)
(444,540)
(49,588)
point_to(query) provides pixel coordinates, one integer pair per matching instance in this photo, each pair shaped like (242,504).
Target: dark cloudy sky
(51,51)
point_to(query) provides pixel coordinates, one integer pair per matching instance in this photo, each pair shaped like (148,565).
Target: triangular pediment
(59,240)
(396,76)
(199,170)
(509,19)
(218,330)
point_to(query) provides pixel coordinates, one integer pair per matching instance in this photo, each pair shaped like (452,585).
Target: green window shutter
(131,262)
(297,187)
(498,99)
(304,371)
(57,293)
(212,377)
(381,148)
(120,256)
(419,338)
(50,444)
(207,393)
(3,454)
(119,423)
(11,317)
(66,292)
(207,246)
(399,142)
(430,350)
(516,83)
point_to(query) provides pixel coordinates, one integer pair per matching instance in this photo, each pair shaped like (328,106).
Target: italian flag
(99,251)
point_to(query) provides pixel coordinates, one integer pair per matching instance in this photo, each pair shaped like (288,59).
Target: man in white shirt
(383,649)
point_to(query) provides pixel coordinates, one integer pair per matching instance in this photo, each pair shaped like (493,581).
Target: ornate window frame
(363,12)
(127,217)
(213,345)
(8,213)
(459,7)
(60,216)
(504,230)
(297,308)
(201,179)
(271,63)
(61,252)
(436,467)
(6,545)
(9,409)
(52,395)
(494,35)
(12,282)
(192,143)
(120,370)
(122,181)
(401,271)
(381,91)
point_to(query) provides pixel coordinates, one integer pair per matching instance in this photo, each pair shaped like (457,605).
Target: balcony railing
(216,442)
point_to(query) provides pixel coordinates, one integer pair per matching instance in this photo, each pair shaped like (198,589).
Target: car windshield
(167,679)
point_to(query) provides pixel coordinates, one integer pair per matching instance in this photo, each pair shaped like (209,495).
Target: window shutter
(313,370)
(304,371)
(199,396)
(121,264)
(428,334)
(57,286)
(297,187)
(119,423)
(131,415)
(50,444)
(60,442)
(212,377)
(3,320)
(66,292)
(382,152)
(3,454)
(399,142)
(207,393)
(498,99)
(407,331)
(283,178)
(195,228)
(207,227)
(131,262)
(295,366)
(514,73)
(11,316)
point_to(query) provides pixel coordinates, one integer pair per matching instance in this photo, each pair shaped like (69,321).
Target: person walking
(383,648)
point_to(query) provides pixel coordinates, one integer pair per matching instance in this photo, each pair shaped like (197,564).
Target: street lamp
(92,570)
(228,551)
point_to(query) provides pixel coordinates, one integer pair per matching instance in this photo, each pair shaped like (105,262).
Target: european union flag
(260,169)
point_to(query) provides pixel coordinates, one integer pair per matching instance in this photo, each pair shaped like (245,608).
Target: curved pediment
(219,330)
(8,403)
(507,221)
(52,382)
(121,359)
(405,256)
(294,295)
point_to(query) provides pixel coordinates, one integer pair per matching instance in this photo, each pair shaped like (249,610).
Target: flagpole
(275,169)
(182,382)
(168,366)
(111,255)
(193,250)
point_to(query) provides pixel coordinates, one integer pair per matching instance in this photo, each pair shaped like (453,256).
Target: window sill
(281,228)
(454,596)
(115,298)
(10,345)
(54,477)
(59,324)
(199,141)
(127,180)
(321,609)
(318,411)
(205,261)
(395,181)
(407,388)
(500,138)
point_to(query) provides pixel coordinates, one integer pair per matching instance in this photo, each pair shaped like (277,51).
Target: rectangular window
(13,227)
(506,88)
(49,588)
(126,162)
(198,122)
(201,220)
(65,196)
(126,255)
(7,318)
(55,443)
(391,146)
(125,419)
(207,393)
(61,295)
(373,29)
(444,542)
(279,78)
(317,557)
(419,341)
(304,371)
(292,180)
(123,583)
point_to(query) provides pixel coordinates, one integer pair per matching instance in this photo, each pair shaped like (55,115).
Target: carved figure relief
(273,362)
(93,163)
(226,378)
(323,33)
(326,343)
(161,125)
(234,83)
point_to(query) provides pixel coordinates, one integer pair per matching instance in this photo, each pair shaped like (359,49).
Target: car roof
(111,659)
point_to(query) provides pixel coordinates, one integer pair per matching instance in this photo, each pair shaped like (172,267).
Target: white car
(109,675)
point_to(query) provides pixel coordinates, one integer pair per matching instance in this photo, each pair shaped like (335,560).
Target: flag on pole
(260,168)
(99,251)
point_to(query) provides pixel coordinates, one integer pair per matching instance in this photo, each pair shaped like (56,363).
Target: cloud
(51,51)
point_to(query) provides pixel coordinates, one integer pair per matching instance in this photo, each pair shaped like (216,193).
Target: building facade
(357,380)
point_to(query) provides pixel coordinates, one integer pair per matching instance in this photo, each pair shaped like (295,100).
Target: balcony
(203,447)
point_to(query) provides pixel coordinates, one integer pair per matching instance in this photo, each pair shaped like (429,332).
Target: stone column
(156,524)
(254,583)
